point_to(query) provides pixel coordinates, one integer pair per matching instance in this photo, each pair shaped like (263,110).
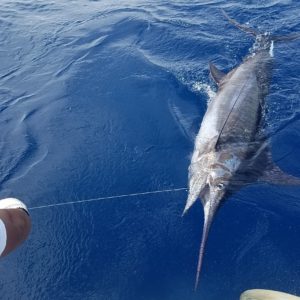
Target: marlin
(231,150)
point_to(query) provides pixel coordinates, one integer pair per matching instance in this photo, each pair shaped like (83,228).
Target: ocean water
(102,98)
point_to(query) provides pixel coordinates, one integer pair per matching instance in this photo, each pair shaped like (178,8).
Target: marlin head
(210,180)
(210,177)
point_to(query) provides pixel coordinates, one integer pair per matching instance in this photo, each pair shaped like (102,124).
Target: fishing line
(108,197)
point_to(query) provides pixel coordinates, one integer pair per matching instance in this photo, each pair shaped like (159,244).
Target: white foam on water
(271,51)
(204,87)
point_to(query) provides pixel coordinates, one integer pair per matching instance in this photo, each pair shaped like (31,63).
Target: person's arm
(15,225)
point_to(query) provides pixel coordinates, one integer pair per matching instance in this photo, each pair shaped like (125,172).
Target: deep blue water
(101,98)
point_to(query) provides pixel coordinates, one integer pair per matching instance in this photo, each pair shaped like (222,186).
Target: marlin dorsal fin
(216,74)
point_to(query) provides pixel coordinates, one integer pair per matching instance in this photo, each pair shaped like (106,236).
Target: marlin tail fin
(275,38)
(240,26)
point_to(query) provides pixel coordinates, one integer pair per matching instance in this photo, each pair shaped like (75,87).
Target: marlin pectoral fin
(274,175)
(192,198)
(215,73)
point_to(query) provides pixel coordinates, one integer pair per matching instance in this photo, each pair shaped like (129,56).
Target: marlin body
(230,150)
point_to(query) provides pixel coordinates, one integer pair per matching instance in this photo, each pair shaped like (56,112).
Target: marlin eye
(220,186)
